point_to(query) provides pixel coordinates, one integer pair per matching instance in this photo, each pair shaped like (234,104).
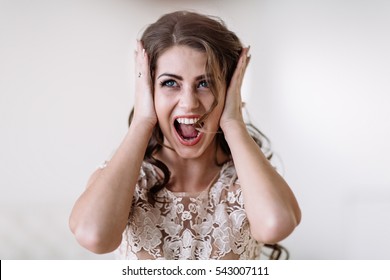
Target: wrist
(145,125)
(144,121)
(234,129)
(232,125)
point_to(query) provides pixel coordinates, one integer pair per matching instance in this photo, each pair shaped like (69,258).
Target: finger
(242,66)
(139,46)
(247,57)
(248,60)
(140,52)
(238,71)
(245,67)
(141,63)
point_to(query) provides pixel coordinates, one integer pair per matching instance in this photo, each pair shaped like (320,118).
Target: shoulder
(148,170)
(227,189)
(228,176)
(148,175)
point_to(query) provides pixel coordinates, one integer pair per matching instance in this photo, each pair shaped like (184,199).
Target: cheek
(215,115)
(159,102)
(220,103)
(163,107)
(207,101)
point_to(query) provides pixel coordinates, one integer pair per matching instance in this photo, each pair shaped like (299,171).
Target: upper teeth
(187,120)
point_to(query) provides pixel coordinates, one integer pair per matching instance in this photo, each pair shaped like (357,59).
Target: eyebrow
(170,75)
(180,78)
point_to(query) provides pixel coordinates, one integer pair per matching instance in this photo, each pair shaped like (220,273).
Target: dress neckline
(206,190)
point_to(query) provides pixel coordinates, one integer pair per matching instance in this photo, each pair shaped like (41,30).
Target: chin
(190,150)
(189,154)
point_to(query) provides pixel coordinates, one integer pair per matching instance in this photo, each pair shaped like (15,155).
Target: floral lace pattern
(208,225)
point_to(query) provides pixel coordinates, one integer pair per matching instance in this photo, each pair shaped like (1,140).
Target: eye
(168,83)
(203,84)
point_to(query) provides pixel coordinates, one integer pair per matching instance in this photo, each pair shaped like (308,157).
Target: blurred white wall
(318,86)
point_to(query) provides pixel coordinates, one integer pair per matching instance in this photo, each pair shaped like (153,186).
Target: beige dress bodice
(211,224)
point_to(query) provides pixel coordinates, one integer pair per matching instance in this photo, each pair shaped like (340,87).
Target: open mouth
(186,130)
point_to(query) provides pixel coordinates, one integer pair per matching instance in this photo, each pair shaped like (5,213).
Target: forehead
(183,60)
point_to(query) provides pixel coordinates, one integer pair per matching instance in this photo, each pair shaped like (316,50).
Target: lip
(181,140)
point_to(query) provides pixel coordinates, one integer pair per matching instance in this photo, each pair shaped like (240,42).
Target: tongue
(188,131)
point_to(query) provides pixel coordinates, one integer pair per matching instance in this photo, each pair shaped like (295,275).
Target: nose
(188,99)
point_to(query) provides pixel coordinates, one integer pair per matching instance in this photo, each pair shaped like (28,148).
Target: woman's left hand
(232,111)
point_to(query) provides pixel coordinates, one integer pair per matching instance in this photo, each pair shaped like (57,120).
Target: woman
(188,181)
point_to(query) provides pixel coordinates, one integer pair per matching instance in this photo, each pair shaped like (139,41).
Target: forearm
(270,205)
(100,214)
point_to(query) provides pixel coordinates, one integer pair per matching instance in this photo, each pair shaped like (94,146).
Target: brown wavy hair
(207,34)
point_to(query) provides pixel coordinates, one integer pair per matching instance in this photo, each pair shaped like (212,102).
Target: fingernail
(143,52)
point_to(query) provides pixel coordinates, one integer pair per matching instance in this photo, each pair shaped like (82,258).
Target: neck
(194,174)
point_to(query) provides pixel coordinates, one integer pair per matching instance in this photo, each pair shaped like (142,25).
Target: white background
(318,86)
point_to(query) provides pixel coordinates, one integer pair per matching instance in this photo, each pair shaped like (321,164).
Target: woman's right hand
(101,213)
(144,111)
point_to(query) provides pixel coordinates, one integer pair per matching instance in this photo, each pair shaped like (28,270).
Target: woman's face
(181,97)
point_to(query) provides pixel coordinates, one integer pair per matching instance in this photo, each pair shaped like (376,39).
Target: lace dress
(211,224)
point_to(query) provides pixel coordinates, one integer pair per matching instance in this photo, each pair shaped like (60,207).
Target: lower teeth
(189,138)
